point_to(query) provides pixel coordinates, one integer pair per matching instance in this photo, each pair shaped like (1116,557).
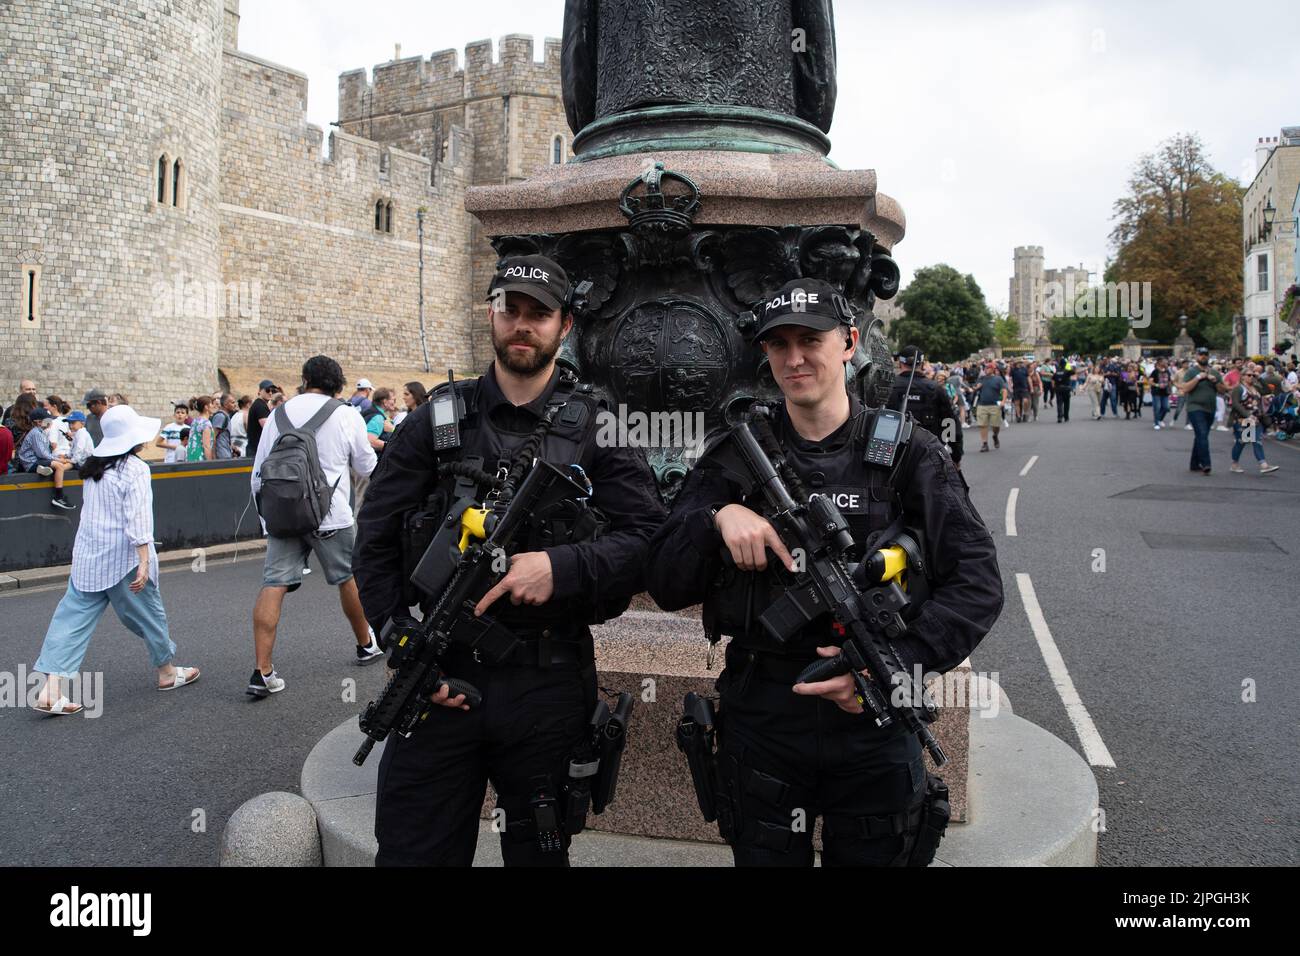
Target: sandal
(184,675)
(60,708)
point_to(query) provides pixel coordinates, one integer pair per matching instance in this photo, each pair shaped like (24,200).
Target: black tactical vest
(863,496)
(570,440)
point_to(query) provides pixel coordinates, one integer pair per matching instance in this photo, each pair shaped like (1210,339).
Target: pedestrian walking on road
(1160,379)
(341,448)
(1093,385)
(113,562)
(1110,394)
(991,392)
(1200,387)
(1063,382)
(1247,422)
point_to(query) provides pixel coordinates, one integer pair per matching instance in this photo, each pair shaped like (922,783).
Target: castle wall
(99,93)
(301,231)
(511,105)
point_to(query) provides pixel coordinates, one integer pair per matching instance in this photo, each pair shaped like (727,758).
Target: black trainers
(371,652)
(64,503)
(264,685)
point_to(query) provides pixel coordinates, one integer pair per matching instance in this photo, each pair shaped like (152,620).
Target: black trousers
(432,784)
(785,760)
(1063,406)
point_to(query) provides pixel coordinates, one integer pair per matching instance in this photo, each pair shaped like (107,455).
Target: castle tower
(109,147)
(1025,303)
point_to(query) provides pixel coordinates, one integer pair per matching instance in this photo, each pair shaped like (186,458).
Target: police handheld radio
(890,430)
(446,418)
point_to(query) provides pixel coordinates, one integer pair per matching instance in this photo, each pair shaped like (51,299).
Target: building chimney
(397,51)
(1263,150)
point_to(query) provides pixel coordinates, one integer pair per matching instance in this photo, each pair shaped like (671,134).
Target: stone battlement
(281,98)
(442,80)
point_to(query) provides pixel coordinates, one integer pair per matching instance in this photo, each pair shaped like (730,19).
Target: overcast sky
(996,123)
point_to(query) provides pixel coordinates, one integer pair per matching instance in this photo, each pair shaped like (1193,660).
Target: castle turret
(109,259)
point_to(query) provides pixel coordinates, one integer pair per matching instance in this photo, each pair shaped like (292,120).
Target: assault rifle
(866,600)
(481,537)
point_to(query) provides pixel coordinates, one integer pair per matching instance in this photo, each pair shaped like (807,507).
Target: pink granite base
(647,651)
(739,189)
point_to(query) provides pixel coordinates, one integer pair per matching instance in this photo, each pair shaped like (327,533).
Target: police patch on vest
(850,500)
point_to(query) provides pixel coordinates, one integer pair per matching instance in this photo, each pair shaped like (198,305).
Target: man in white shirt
(342,449)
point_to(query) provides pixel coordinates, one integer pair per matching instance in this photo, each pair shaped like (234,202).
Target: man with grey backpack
(302,485)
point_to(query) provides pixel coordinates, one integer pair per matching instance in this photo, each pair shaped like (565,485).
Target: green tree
(1089,327)
(1006,330)
(1088,335)
(946,316)
(1179,228)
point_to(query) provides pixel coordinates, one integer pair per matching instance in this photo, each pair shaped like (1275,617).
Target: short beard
(526,367)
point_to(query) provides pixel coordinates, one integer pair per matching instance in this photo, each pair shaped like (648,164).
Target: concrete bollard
(272,829)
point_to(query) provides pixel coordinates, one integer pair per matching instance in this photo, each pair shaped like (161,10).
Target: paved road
(1159,644)
(1156,646)
(123,788)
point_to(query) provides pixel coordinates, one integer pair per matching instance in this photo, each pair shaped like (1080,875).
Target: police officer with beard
(926,401)
(537,704)
(789,752)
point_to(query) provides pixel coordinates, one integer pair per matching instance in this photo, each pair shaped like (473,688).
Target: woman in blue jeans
(1247,429)
(113,562)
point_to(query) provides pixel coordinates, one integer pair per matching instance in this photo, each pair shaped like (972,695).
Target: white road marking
(1024,471)
(1011,512)
(1094,750)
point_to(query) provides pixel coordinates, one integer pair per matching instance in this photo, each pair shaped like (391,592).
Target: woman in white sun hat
(113,562)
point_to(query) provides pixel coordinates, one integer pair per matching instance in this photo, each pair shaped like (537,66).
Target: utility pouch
(438,563)
(577,800)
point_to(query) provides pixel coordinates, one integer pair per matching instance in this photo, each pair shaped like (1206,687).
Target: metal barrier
(194,504)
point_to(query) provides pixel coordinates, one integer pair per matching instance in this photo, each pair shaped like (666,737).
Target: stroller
(1284,415)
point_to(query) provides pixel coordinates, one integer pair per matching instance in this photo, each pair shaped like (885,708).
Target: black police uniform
(1061,380)
(927,401)
(781,752)
(536,705)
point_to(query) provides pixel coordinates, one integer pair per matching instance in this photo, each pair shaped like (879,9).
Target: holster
(594,768)
(935,813)
(698,736)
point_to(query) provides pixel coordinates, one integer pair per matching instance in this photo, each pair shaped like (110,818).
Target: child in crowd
(36,455)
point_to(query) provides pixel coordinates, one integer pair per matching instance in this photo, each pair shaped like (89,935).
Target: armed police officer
(571,569)
(788,752)
(926,401)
